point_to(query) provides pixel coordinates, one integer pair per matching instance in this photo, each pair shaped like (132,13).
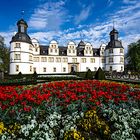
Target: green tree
(133,56)
(4,56)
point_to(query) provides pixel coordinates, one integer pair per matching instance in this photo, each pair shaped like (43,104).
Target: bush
(100,75)
(19,76)
(89,74)
(35,75)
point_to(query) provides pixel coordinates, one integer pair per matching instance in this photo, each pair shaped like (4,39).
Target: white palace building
(28,56)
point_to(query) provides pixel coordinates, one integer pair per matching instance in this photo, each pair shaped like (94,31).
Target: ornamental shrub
(89,74)
(100,75)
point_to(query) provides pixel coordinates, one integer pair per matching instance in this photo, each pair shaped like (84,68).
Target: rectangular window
(83,60)
(36,49)
(51,50)
(58,59)
(55,50)
(64,69)
(17,56)
(65,60)
(44,69)
(74,60)
(111,60)
(121,68)
(43,59)
(30,68)
(54,69)
(30,58)
(36,59)
(121,59)
(51,59)
(17,68)
(110,50)
(103,60)
(92,60)
(17,45)
(30,47)
(69,51)
(121,50)
(73,51)
(34,69)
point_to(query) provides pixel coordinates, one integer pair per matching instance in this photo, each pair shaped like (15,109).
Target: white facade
(28,56)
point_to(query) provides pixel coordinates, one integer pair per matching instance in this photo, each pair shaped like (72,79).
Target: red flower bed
(66,92)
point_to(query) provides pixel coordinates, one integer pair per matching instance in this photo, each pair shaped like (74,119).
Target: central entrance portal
(73,68)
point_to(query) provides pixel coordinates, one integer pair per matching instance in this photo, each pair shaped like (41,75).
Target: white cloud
(84,14)
(48,16)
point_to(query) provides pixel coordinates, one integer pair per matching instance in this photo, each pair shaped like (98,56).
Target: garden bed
(79,110)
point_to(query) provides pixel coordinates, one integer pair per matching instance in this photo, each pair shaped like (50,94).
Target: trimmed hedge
(100,75)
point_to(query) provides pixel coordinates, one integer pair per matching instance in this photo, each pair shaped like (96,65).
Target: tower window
(17,56)
(110,50)
(121,59)
(121,50)
(110,60)
(103,60)
(17,45)
(30,47)
(30,58)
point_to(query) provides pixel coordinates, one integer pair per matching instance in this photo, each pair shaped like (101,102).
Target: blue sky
(66,20)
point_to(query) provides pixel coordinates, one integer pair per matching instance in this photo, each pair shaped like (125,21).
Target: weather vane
(22,13)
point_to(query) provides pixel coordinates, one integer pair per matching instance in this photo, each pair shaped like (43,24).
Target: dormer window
(36,49)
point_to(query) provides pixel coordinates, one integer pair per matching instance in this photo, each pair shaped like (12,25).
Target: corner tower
(114,53)
(20,50)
